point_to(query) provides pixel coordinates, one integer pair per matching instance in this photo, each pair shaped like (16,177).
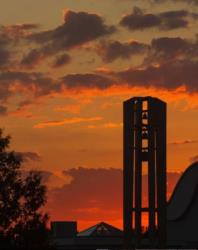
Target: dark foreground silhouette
(22,225)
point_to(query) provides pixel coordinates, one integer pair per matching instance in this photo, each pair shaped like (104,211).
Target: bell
(145,135)
(144,115)
(144,127)
(145,150)
(144,154)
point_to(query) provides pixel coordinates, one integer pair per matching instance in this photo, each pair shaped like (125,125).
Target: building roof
(184,193)
(100,230)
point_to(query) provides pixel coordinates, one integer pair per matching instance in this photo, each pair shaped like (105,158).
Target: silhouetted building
(99,236)
(144,145)
(182,211)
(101,229)
(63,229)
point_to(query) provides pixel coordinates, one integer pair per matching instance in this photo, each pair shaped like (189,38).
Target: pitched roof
(101,229)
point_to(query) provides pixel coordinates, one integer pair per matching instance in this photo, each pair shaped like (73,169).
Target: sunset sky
(67,66)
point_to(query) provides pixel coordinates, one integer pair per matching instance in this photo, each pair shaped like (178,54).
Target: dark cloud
(29,156)
(35,56)
(36,83)
(5,52)
(25,26)
(18,31)
(164,49)
(138,20)
(158,1)
(4,57)
(3,110)
(176,60)
(32,58)
(169,44)
(174,19)
(189,1)
(11,40)
(61,60)
(78,28)
(112,50)
(87,81)
(21,76)
(167,76)
(94,194)
(174,1)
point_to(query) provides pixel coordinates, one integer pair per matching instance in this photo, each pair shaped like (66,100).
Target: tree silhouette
(22,224)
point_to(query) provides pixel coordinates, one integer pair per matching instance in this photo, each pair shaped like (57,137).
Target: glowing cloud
(67,121)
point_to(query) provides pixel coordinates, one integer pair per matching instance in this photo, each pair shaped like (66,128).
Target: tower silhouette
(144,146)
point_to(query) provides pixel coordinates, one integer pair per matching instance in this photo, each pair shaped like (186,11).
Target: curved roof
(183,193)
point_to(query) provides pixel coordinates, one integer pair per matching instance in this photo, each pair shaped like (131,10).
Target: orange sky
(67,66)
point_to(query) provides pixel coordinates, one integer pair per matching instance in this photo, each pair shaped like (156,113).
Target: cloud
(91,80)
(36,83)
(189,1)
(169,76)
(78,28)
(11,41)
(112,50)
(169,20)
(70,108)
(169,44)
(139,21)
(73,120)
(61,60)
(52,180)
(32,58)
(94,194)
(3,110)
(165,76)
(174,1)
(175,19)
(91,195)
(106,125)
(27,156)
(164,49)
(170,62)
(18,31)
(5,53)
(183,142)
(36,56)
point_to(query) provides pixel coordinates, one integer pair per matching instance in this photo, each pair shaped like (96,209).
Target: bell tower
(144,139)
